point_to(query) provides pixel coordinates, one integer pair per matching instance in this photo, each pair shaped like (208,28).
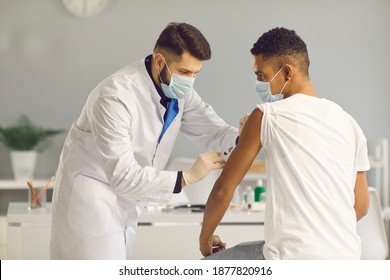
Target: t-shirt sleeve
(268,124)
(362,162)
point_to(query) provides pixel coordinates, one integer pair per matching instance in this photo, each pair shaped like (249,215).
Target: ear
(159,60)
(289,71)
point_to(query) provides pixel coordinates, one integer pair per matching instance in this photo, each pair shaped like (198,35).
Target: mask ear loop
(159,76)
(276,74)
(275,77)
(285,84)
(166,64)
(283,87)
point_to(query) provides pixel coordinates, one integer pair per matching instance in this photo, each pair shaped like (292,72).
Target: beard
(164,75)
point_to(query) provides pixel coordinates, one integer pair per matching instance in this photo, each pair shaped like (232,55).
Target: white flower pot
(23,164)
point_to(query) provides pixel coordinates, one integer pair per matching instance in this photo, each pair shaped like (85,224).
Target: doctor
(114,156)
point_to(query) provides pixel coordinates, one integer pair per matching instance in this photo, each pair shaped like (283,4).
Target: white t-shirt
(313,150)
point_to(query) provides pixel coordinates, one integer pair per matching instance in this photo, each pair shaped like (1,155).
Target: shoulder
(345,114)
(128,78)
(254,121)
(131,73)
(257,114)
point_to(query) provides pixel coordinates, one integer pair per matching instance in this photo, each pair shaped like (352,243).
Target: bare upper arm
(244,154)
(362,198)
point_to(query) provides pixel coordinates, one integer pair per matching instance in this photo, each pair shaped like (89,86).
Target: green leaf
(26,136)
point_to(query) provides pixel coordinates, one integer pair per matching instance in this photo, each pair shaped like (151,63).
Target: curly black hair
(284,45)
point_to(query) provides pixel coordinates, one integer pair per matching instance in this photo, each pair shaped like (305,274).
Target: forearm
(203,126)
(212,137)
(216,206)
(234,171)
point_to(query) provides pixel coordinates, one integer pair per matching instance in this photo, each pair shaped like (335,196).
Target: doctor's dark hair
(178,38)
(283,46)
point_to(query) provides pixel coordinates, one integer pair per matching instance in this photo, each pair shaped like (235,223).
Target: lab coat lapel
(165,147)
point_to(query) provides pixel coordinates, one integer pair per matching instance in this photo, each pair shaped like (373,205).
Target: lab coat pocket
(91,206)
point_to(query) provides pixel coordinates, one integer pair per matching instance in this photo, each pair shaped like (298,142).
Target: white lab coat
(111,163)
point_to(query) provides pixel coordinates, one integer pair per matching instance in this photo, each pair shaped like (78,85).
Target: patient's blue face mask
(179,86)
(263,89)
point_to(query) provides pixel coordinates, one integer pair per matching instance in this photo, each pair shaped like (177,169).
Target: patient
(316,157)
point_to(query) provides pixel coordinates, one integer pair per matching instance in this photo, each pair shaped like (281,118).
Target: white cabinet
(28,232)
(180,241)
(3,237)
(28,241)
(159,235)
(175,235)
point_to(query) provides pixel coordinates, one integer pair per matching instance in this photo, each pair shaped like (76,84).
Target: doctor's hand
(204,163)
(242,122)
(213,245)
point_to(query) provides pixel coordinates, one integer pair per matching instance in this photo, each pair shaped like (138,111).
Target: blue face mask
(263,89)
(179,87)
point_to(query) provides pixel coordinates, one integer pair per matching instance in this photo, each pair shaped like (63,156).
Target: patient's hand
(213,246)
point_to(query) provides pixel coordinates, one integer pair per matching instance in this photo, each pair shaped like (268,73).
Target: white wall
(50,60)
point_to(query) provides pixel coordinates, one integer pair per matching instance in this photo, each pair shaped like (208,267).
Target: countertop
(18,212)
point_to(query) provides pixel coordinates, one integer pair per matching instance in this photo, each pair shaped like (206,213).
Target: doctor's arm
(234,171)
(362,197)
(202,125)
(110,121)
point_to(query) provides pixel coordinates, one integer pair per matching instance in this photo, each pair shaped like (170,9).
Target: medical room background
(50,60)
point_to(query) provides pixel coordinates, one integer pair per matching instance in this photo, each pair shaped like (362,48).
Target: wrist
(204,239)
(183,182)
(187,179)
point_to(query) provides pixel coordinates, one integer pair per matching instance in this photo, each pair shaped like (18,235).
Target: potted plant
(24,141)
